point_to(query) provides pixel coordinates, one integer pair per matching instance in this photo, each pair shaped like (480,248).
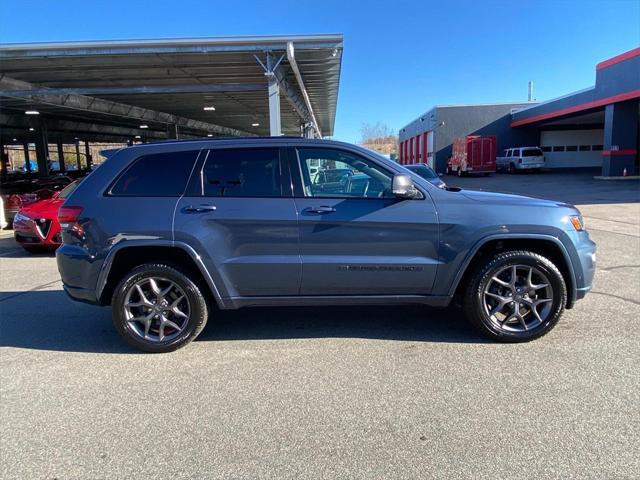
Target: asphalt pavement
(348,392)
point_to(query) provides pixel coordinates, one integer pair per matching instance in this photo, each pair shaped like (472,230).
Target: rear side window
(250,172)
(156,175)
(531,152)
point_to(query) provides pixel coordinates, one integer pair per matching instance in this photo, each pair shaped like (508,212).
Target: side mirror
(403,187)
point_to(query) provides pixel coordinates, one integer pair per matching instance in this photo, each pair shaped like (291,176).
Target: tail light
(68,218)
(69,214)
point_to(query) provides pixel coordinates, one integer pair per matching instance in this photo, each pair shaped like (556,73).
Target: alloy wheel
(156,309)
(518,298)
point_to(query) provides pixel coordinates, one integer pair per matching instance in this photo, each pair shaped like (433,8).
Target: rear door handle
(199,208)
(321,209)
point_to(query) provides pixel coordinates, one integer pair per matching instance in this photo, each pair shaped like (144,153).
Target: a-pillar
(620,139)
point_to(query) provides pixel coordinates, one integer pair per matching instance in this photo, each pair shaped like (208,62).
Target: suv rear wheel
(157,308)
(516,296)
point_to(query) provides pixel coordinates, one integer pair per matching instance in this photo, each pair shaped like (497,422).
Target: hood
(510,199)
(47,208)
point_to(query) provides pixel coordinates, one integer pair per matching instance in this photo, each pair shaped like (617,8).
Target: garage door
(572,148)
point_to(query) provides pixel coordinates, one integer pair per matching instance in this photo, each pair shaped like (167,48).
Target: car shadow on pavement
(404,323)
(9,248)
(48,320)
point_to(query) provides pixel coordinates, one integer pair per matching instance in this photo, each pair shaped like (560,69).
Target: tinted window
(558,149)
(546,149)
(424,171)
(251,172)
(531,152)
(516,153)
(585,148)
(342,174)
(572,148)
(68,190)
(596,148)
(157,175)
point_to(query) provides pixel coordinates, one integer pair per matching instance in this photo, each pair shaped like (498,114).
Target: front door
(240,214)
(356,237)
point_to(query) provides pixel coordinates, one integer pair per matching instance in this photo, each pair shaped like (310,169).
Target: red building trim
(618,58)
(620,152)
(578,108)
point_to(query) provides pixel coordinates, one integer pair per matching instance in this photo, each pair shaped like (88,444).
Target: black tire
(196,300)
(512,169)
(473,300)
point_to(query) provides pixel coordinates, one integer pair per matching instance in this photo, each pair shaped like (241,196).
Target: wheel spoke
(178,312)
(500,282)
(522,321)
(137,304)
(172,324)
(143,297)
(534,310)
(514,276)
(154,286)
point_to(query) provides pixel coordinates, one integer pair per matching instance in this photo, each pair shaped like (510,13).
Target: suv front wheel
(157,308)
(515,296)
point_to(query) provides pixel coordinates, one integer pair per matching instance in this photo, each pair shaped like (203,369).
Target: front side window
(156,175)
(249,172)
(340,174)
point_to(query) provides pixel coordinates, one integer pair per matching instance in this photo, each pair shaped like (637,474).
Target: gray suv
(166,233)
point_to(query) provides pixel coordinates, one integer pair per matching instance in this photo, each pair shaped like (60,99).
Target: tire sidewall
(197,306)
(557,285)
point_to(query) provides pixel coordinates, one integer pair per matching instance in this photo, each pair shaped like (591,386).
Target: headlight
(21,218)
(577,222)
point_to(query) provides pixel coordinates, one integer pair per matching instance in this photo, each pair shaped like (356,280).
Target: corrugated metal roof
(179,77)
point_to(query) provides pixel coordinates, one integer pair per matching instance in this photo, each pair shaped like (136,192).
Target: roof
(175,77)
(617,80)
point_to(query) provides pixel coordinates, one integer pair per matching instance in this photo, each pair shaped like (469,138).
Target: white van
(521,158)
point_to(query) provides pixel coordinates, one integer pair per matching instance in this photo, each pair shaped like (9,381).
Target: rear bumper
(79,272)
(81,295)
(529,166)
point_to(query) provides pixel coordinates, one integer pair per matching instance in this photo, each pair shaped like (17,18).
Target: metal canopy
(162,83)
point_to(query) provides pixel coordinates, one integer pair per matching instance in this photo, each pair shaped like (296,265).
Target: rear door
(240,214)
(361,240)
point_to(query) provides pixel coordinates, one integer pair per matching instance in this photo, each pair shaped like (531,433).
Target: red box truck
(473,154)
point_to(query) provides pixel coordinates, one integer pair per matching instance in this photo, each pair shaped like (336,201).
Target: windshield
(424,171)
(532,152)
(66,191)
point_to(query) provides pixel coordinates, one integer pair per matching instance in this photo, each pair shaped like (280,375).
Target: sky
(400,57)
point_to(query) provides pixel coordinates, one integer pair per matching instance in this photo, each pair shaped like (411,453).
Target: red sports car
(36,226)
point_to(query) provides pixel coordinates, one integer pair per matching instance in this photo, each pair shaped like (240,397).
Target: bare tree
(379,137)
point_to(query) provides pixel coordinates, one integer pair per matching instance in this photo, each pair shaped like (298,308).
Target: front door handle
(321,209)
(199,208)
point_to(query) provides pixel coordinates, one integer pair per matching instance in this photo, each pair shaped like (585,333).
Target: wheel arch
(545,245)
(123,258)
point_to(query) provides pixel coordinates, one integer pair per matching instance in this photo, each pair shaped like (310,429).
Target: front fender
(458,272)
